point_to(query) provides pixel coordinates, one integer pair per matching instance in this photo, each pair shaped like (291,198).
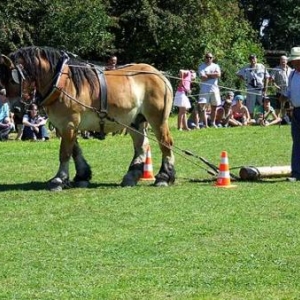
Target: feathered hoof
(128,181)
(55,185)
(81,184)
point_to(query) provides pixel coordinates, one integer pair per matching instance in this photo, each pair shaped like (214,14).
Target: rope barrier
(196,81)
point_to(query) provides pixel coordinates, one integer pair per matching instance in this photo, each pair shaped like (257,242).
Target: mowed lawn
(188,241)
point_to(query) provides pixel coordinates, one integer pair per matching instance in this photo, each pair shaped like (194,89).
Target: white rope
(243,91)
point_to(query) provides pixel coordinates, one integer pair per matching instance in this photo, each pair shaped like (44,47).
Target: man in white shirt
(209,73)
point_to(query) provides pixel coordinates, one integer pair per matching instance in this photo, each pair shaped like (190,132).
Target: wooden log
(256,173)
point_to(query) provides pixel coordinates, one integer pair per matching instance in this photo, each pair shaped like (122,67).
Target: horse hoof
(128,182)
(161,184)
(55,185)
(81,184)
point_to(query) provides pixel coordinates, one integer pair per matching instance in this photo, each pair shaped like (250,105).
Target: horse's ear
(7,61)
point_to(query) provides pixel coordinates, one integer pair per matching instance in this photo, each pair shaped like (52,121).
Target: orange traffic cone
(223,179)
(148,168)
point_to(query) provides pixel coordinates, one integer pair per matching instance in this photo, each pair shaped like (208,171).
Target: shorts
(212,98)
(181,100)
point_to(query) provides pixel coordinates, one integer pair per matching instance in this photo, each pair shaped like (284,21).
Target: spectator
(256,77)
(192,118)
(267,115)
(181,100)
(112,63)
(6,123)
(18,113)
(279,76)
(209,72)
(293,93)
(34,125)
(224,112)
(240,113)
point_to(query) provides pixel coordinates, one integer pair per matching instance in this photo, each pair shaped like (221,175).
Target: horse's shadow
(42,186)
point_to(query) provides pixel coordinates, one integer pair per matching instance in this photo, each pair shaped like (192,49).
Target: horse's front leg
(61,179)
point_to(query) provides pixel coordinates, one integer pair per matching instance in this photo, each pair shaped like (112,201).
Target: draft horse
(78,96)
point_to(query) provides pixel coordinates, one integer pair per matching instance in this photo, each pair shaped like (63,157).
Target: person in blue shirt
(6,124)
(293,94)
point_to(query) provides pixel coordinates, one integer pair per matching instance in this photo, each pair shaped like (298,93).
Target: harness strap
(103,90)
(103,100)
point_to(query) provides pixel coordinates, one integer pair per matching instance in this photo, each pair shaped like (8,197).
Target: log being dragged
(255,173)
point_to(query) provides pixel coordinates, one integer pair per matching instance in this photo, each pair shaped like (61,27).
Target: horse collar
(60,82)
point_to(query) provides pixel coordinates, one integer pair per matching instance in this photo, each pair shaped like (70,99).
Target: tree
(176,34)
(276,22)
(78,26)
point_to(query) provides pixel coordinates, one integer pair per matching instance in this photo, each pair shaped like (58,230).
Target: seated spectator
(224,112)
(191,122)
(6,123)
(266,114)
(18,113)
(34,125)
(240,113)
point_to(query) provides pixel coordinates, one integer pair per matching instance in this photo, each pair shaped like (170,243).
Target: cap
(266,99)
(3,92)
(239,98)
(230,93)
(252,56)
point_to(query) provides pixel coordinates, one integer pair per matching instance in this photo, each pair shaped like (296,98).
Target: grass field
(188,241)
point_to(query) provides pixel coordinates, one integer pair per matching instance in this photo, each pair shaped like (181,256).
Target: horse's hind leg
(136,168)
(166,174)
(83,170)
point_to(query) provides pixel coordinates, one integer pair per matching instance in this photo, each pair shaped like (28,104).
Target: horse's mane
(4,75)
(79,69)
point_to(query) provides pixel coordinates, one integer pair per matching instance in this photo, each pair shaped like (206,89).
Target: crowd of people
(29,125)
(211,109)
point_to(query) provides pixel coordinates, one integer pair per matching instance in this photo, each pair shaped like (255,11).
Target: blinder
(17,74)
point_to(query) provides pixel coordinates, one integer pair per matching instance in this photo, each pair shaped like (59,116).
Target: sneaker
(213,125)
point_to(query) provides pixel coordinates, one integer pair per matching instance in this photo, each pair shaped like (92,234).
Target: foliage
(189,241)
(282,29)
(168,34)
(78,26)
(18,23)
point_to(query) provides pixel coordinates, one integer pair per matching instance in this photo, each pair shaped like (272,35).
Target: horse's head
(34,69)
(8,79)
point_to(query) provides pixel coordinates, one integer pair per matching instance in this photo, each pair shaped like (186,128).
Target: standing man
(293,93)
(279,76)
(256,77)
(209,73)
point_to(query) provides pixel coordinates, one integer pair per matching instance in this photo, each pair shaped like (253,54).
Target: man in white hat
(6,125)
(293,93)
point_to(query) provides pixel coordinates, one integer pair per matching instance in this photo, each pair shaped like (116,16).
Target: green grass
(188,241)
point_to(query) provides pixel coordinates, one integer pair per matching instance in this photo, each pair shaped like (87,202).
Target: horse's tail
(168,101)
